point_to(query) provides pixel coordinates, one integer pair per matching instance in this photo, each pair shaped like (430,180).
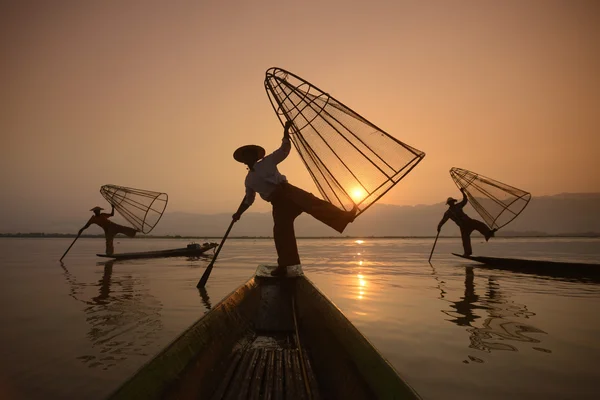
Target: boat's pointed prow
(462,256)
(293,271)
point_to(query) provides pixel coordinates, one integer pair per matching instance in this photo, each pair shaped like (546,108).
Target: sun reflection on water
(362,284)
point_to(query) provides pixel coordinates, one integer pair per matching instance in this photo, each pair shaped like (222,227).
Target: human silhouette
(288,201)
(466,224)
(110,228)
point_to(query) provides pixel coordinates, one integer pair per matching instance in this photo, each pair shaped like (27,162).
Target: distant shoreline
(590,235)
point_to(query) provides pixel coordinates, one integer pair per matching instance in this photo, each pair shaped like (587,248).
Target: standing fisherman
(466,224)
(288,201)
(110,228)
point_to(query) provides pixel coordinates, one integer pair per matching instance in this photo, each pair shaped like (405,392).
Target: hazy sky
(158,95)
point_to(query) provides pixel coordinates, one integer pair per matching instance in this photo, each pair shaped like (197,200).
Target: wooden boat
(272,338)
(192,250)
(541,267)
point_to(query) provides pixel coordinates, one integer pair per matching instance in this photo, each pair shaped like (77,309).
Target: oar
(431,254)
(206,273)
(77,237)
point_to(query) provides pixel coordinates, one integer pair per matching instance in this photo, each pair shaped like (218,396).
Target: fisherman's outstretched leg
(126,230)
(319,209)
(483,229)
(284,214)
(466,240)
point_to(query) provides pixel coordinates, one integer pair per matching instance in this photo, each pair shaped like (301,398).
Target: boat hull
(579,271)
(182,252)
(271,338)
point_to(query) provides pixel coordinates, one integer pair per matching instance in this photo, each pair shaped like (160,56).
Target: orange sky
(157,95)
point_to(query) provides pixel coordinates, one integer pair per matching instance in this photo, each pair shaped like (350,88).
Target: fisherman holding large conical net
(466,224)
(110,228)
(352,162)
(288,201)
(497,203)
(141,208)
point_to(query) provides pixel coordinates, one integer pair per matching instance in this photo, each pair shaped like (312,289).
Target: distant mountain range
(563,214)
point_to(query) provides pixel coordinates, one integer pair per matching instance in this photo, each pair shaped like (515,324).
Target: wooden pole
(431,254)
(77,237)
(208,270)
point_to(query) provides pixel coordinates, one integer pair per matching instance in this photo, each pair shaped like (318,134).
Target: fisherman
(287,200)
(110,228)
(466,224)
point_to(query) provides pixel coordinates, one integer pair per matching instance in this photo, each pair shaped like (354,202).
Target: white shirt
(265,176)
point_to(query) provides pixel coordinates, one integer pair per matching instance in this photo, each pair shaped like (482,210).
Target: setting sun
(358,194)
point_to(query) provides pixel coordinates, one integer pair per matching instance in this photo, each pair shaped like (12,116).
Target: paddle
(208,270)
(77,237)
(431,254)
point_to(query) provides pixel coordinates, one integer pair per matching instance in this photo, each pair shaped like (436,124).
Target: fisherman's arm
(443,221)
(86,225)
(246,203)
(284,150)
(112,213)
(464,200)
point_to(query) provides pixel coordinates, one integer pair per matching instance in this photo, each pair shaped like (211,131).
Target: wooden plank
(269,375)
(312,378)
(238,379)
(257,376)
(278,393)
(220,392)
(248,373)
(288,376)
(297,376)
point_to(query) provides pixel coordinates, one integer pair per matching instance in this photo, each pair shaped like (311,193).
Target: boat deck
(270,365)
(272,338)
(268,370)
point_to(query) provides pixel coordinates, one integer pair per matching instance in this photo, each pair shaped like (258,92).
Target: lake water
(452,330)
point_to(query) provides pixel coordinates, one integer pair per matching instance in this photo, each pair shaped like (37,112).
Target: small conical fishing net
(142,208)
(351,160)
(496,202)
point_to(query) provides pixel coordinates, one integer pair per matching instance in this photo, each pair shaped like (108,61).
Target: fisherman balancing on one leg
(466,224)
(288,201)
(110,228)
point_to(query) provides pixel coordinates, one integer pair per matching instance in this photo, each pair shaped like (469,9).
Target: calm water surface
(452,330)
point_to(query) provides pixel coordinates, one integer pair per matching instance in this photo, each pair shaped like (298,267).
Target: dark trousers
(112,231)
(288,202)
(467,227)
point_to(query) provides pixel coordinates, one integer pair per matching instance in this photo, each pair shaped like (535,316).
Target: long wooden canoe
(557,269)
(190,251)
(272,338)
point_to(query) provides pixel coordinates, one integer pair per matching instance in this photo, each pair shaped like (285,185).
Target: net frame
(280,85)
(464,179)
(126,199)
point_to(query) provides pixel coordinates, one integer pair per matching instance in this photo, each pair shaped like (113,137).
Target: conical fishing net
(496,202)
(351,160)
(142,208)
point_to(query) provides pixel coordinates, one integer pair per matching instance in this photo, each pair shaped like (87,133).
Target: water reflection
(362,284)
(124,317)
(205,298)
(499,325)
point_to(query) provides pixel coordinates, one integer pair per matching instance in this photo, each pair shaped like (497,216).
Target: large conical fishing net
(496,202)
(142,208)
(351,160)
